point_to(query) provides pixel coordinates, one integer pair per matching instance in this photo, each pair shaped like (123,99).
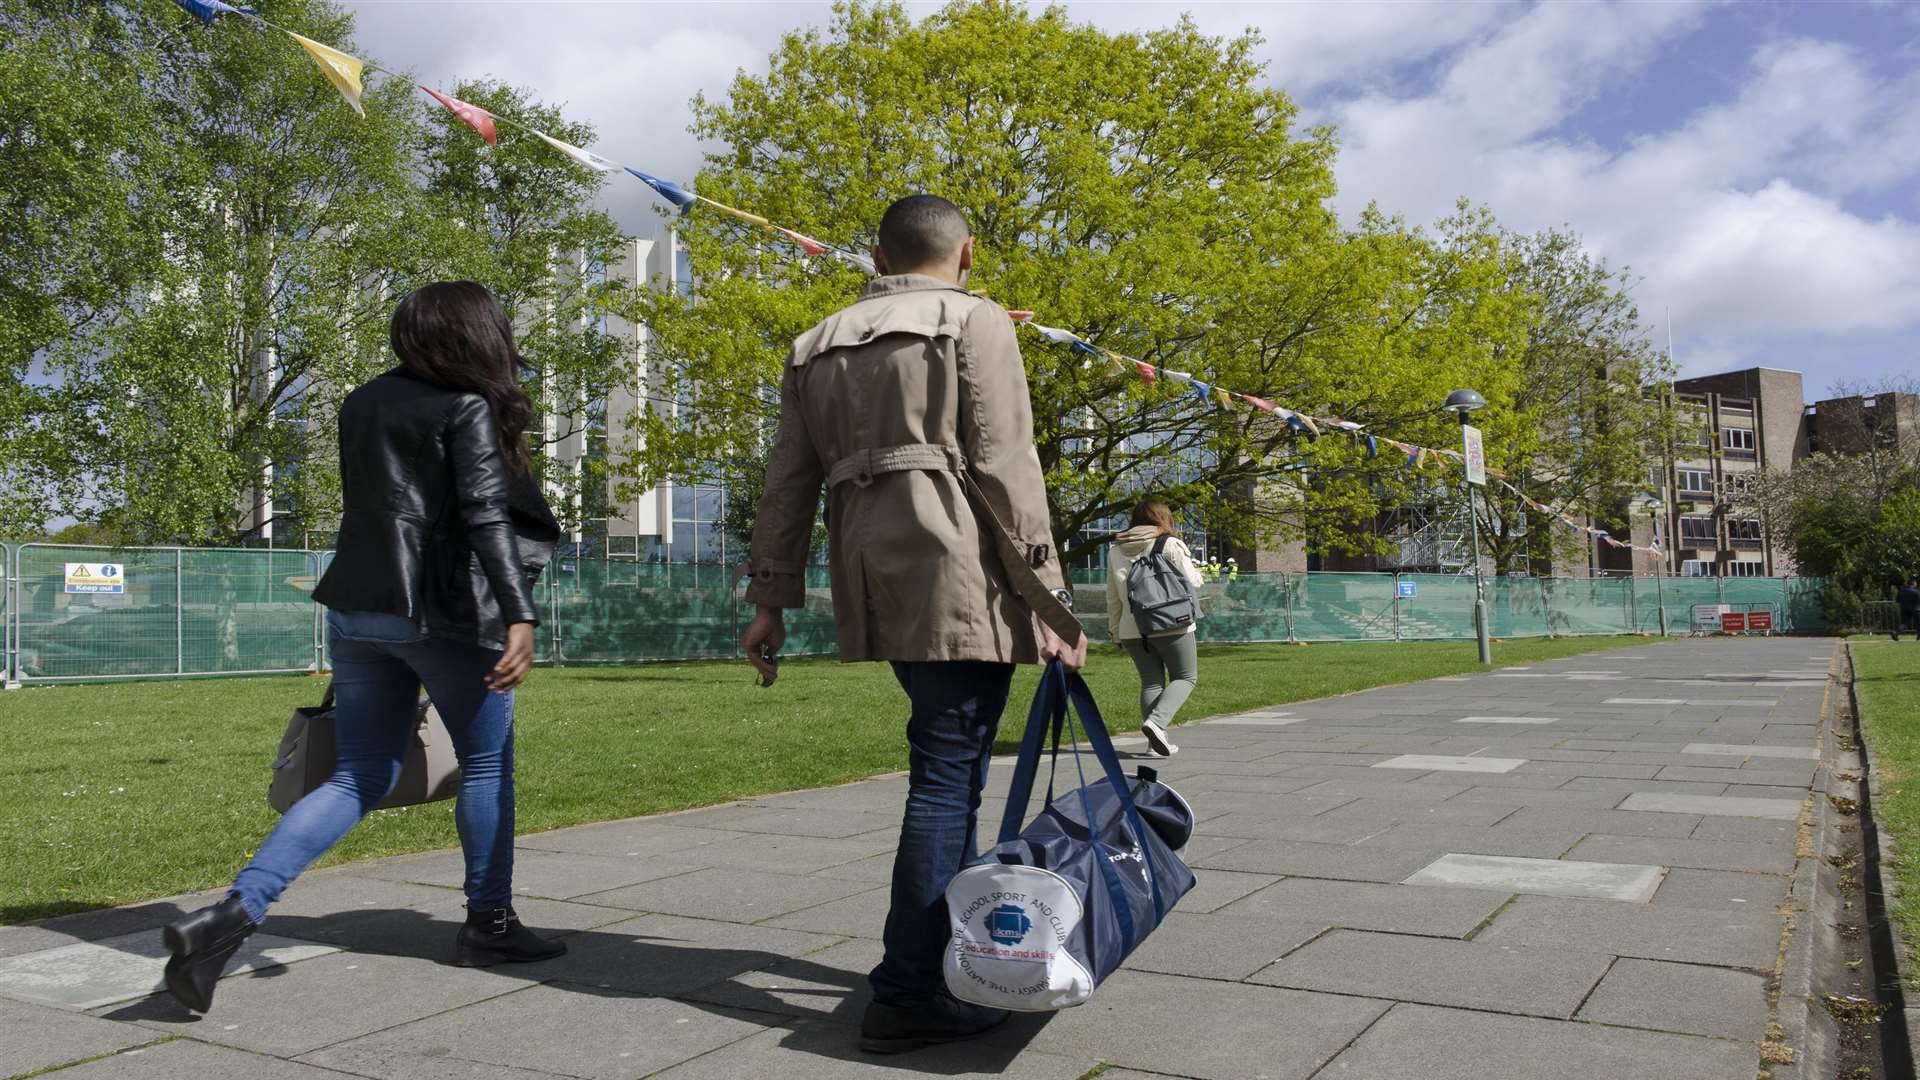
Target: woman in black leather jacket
(443,535)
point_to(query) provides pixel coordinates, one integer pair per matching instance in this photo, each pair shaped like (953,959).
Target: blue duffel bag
(1054,908)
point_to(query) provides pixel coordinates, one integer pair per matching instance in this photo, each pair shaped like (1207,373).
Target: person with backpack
(1152,611)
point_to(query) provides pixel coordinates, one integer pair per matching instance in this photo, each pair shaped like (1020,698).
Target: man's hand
(515,662)
(765,635)
(1052,648)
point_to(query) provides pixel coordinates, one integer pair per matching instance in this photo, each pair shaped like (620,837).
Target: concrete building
(1736,425)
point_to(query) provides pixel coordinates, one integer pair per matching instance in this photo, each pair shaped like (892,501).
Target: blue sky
(1757,165)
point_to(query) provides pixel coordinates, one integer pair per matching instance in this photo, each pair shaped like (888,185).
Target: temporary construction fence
(193,611)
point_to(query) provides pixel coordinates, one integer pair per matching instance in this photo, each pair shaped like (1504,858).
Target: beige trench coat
(910,408)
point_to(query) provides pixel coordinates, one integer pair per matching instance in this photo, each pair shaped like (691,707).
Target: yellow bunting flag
(751,219)
(585,157)
(341,70)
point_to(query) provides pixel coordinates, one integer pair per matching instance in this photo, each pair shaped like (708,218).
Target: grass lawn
(112,793)
(1886,678)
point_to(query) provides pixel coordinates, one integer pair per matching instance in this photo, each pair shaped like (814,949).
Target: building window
(1744,533)
(1696,568)
(1737,440)
(697,535)
(1746,568)
(1694,481)
(1697,532)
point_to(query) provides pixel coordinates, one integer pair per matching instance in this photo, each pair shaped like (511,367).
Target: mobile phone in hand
(771,658)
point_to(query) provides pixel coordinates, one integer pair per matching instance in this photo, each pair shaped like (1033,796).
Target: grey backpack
(1159,593)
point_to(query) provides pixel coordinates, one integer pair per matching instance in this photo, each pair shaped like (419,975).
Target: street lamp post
(1654,506)
(1463,402)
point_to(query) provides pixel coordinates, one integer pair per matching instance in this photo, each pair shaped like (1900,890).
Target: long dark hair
(1153,512)
(455,334)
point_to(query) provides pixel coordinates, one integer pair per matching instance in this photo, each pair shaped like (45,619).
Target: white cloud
(1743,214)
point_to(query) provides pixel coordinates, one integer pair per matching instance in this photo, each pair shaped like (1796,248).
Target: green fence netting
(206,612)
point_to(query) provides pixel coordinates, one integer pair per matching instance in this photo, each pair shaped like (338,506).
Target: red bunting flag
(1259,403)
(1147,372)
(1020,316)
(807,243)
(476,117)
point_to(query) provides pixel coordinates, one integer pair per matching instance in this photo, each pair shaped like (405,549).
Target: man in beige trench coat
(910,409)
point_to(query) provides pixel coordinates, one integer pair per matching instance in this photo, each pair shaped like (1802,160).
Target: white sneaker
(1157,740)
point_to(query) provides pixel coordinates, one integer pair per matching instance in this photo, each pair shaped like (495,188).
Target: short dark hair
(921,229)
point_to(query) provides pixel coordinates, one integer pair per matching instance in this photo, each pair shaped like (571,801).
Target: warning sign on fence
(1733,622)
(89,577)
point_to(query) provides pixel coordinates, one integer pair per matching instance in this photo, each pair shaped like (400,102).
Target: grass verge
(1886,679)
(112,793)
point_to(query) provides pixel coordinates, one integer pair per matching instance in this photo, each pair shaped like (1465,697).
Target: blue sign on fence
(1408,589)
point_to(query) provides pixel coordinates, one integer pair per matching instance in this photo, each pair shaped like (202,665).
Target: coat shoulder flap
(928,314)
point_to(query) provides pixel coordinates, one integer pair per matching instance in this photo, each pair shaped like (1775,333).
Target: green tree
(1146,191)
(80,150)
(529,232)
(1590,413)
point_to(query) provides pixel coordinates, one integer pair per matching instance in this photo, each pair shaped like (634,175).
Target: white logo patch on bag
(1011,926)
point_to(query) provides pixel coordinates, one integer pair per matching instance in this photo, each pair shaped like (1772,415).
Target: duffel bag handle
(1081,698)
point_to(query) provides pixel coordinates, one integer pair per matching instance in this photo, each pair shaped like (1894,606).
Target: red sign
(1733,622)
(1760,620)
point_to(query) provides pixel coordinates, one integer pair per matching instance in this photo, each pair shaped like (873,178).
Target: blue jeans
(956,711)
(379,664)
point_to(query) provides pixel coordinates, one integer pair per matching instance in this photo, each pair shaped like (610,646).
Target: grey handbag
(429,773)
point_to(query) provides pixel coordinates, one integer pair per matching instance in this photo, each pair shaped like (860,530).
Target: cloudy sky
(1758,166)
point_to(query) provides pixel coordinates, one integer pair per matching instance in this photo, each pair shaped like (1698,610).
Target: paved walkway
(1573,869)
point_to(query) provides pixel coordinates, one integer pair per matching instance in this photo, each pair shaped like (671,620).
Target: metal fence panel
(203,612)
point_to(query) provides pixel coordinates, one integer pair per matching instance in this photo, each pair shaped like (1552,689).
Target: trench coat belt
(862,466)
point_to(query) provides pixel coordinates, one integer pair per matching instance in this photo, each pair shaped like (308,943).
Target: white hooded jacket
(1127,547)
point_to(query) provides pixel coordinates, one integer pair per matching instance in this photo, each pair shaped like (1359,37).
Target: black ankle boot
(496,937)
(201,943)
(894,1029)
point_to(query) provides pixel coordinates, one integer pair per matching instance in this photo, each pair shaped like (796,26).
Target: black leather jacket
(437,526)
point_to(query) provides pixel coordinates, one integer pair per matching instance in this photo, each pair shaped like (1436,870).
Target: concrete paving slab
(1698,854)
(1681,997)
(1449,763)
(1773,777)
(1609,822)
(583,1032)
(1396,967)
(1421,1042)
(826,822)
(1384,812)
(1490,840)
(184,1058)
(819,1050)
(94,925)
(1220,946)
(287,1012)
(1297,1032)
(728,894)
(1542,877)
(1646,701)
(1196,787)
(1341,862)
(640,837)
(1218,888)
(1764,791)
(863,914)
(1258,721)
(828,984)
(1507,720)
(1715,805)
(96,973)
(40,1037)
(1745,830)
(1744,939)
(1723,890)
(1357,905)
(536,872)
(666,955)
(1250,827)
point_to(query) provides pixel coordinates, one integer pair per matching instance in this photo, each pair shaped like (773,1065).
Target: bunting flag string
(344,72)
